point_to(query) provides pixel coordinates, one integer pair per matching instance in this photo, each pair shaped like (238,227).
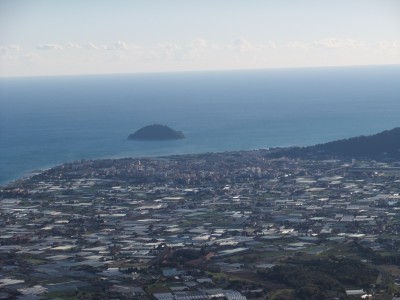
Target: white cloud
(388,49)
(199,43)
(269,45)
(242,44)
(90,46)
(118,45)
(121,45)
(124,46)
(14,47)
(298,45)
(49,47)
(8,52)
(72,46)
(170,52)
(387,45)
(169,46)
(338,43)
(197,49)
(31,57)
(196,54)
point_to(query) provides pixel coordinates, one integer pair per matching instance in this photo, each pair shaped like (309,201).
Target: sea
(46,121)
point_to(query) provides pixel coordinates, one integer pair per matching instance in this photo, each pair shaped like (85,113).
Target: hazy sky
(53,37)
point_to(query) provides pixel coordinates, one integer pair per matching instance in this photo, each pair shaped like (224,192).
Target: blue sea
(45,121)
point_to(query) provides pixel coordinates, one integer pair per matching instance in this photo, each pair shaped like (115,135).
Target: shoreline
(378,146)
(29,174)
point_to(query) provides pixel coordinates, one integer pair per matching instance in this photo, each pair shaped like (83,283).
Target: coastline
(379,146)
(29,174)
(138,212)
(36,134)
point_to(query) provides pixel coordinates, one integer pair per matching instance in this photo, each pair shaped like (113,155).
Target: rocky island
(156,132)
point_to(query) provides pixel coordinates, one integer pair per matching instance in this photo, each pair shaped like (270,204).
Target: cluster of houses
(186,227)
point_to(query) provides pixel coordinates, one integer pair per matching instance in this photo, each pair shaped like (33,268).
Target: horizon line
(195,71)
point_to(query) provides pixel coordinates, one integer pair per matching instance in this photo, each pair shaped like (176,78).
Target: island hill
(156,132)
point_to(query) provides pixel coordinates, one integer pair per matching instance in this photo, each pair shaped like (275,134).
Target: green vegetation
(385,144)
(386,257)
(321,278)
(284,294)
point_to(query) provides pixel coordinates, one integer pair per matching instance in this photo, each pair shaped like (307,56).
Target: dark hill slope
(383,145)
(156,132)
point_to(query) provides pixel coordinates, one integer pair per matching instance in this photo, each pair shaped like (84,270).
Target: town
(234,225)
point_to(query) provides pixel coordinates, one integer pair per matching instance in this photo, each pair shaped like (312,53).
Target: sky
(56,37)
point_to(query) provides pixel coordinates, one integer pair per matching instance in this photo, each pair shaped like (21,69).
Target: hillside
(383,145)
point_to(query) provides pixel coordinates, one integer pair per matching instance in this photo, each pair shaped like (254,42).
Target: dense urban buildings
(231,225)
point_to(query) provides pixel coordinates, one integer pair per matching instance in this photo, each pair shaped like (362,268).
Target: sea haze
(50,120)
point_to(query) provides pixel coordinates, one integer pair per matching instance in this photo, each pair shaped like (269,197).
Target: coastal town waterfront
(232,225)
